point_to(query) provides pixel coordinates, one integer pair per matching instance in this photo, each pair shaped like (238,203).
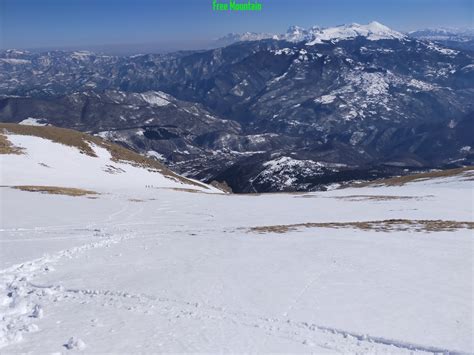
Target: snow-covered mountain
(373,31)
(240,37)
(454,37)
(316,34)
(296,34)
(349,102)
(107,251)
(459,38)
(37,157)
(444,34)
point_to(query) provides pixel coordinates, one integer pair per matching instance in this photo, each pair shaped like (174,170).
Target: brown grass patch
(183,189)
(6,147)
(356,198)
(402,180)
(82,142)
(186,190)
(55,190)
(221,185)
(388,225)
(59,135)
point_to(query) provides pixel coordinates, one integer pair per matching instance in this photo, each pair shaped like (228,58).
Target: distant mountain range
(299,111)
(373,30)
(462,38)
(459,38)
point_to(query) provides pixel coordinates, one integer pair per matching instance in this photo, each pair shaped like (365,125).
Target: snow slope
(47,162)
(142,269)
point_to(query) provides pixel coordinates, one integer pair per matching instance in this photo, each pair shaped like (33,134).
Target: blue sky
(88,23)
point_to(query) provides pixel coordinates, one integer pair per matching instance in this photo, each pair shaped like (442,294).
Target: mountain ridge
(355,108)
(317,34)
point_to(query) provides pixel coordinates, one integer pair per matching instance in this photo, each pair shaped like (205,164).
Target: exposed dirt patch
(402,180)
(59,135)
(356,198)
(360,198)
(113,169)
(56,190)
(221,185)
(6,147)
(83,141)
(135,200)
(388,225)
(185,190)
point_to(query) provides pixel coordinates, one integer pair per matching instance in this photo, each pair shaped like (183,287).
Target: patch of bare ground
(55,190)
(359,198)
(356,198)
(465,172)
(59,135)
(6,147)
(135,200)
(83,141)
(388,225)
(279,193)
(185,190)
(113,169)
(221,185)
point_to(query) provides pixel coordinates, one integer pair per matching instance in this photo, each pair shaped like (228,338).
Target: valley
(326,105)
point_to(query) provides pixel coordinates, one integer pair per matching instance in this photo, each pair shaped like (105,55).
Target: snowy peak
(373,31)
(298,34)
(242,37)
(375,26)
(252,36)
(295,29)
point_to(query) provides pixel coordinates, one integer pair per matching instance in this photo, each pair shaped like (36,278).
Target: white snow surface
(15,61)
(155,98)
(373,31)
(82,55)
(53,164)
(246,36)
(151,270)
(325,99)
(31,121)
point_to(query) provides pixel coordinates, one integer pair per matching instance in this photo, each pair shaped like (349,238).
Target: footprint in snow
(75,344)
